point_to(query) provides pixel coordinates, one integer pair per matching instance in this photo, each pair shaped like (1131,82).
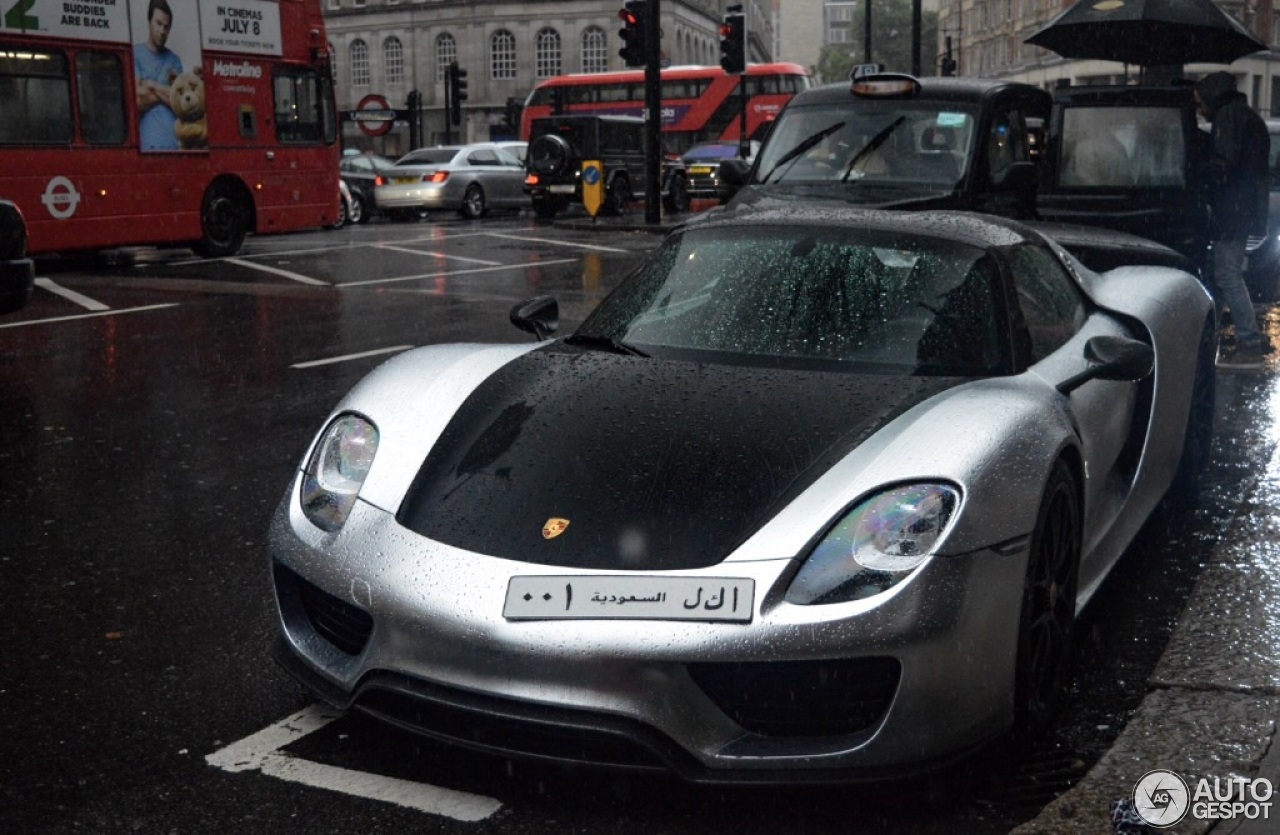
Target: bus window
(302,107)
(35,97)
(100,91)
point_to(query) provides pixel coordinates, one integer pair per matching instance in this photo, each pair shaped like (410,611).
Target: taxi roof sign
(885,85)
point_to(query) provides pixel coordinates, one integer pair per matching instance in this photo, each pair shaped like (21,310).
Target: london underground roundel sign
(374,114)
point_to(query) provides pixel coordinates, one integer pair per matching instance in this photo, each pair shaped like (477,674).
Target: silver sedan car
(469,178)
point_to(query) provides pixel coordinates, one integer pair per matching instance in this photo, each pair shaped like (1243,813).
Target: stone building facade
(988,38)
(388,48)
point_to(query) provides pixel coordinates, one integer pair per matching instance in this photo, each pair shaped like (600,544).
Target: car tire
(1197,441)
(356,213)
(473,206)
(1048,605)
(617,197)
(548,207)
(677,200)
(224,221)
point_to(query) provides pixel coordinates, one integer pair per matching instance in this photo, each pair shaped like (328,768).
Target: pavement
(1213,701)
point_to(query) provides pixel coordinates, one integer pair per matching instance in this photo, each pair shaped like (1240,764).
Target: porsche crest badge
(554,527)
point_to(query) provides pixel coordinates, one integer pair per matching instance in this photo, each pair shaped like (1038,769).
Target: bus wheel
(224,222)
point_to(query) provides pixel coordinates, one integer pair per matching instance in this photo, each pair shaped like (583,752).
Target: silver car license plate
(629,597)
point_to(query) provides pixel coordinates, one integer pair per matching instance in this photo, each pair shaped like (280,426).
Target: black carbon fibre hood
(656,464)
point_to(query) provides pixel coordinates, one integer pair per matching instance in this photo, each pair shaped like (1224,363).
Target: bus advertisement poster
(88,20)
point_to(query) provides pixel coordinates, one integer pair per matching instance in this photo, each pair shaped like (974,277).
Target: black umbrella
(1148,33)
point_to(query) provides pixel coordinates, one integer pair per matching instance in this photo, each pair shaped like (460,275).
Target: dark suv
(17,274)
(558,145)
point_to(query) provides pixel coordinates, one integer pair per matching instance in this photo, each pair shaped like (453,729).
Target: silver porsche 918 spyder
(811,495)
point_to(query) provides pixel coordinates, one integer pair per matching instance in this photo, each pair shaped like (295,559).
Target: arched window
(502,55)
(359,64)
(546,54)
(393,60)
(333,56)
(446,54)
(595,50)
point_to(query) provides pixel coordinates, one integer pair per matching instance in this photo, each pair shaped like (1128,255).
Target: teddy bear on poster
(186,100)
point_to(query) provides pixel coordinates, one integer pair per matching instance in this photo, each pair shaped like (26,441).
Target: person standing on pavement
(1238,192)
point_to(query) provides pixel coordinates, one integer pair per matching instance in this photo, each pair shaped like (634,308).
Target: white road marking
(347,357)
(87,315)
(260,752)
(557,243)
(437,254)
(289,274)
(449,273)
(70,295)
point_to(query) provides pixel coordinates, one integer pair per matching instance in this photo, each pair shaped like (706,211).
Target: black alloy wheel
(1048,605)
(549,155)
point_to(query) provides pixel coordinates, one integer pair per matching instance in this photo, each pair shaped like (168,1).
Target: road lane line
(70,295)
(347,357)
(437,254)
(451,273)
(261,752)
(555,242)
(53,319)
(305,279)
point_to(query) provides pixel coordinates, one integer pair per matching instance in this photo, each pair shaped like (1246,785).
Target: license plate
(404,181)
(560,189)
(700,169)
(629,597)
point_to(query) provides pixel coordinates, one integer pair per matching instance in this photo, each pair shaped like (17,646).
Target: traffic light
(733,40)
(948,63)
(634,32)
(457,92)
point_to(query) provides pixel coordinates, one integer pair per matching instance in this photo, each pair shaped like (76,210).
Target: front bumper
(424,646)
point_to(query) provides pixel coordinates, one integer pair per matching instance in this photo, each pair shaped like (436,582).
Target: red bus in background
(699,104)
(166,122)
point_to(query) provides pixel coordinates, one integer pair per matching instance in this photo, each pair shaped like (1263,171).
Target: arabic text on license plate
(629,597)
(700,169)
(560,189)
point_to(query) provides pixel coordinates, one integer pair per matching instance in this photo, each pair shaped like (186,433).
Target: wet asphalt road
(151,412)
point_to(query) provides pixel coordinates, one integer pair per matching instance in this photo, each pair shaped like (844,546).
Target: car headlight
(876,545)
(337,467)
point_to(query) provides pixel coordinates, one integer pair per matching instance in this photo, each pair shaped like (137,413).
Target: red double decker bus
(699,104)
(166,122)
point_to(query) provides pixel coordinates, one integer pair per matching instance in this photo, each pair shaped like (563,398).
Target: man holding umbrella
(1238,191)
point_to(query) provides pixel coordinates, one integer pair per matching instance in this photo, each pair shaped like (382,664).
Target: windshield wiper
(794,153)
(872,144)
(615,345)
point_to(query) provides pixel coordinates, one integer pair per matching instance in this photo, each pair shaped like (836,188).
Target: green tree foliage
(890,43)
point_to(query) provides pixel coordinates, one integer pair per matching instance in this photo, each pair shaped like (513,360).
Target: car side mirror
(539,316)
(1112,358)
